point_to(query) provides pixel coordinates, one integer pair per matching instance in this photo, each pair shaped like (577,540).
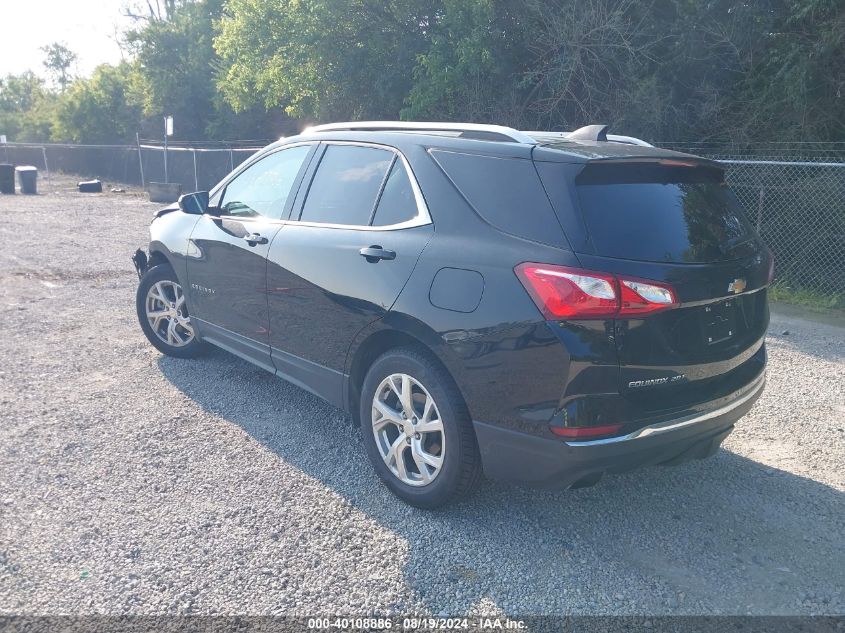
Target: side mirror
(195,203)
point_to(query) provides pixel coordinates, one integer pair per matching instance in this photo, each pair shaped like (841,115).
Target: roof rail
(467,130)
(478,131)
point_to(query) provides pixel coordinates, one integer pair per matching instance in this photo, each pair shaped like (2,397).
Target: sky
(87,27)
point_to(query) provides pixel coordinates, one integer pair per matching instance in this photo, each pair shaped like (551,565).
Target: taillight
(561,292)
(639,297)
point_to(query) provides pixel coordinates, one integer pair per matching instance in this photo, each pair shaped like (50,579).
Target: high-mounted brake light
(561,292)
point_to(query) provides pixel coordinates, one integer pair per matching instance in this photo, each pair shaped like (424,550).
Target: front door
(227,254)
(342,264)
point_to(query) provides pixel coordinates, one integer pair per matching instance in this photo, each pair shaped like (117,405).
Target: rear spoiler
(650,170)
(671,160)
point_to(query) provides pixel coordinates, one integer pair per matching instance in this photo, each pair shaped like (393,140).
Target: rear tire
(163,314)
(417,430)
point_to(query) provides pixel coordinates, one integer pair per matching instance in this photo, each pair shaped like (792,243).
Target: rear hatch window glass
(662,213)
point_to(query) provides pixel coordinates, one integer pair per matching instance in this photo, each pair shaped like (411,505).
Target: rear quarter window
(505,192)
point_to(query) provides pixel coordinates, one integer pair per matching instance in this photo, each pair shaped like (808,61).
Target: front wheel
(417,430)
(163,314)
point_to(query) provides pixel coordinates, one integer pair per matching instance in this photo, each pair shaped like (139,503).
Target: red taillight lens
(561,292)
(583,432)
(568,293)
(640,297)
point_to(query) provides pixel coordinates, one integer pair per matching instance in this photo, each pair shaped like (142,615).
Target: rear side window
(397,203)
(506,192)
(346,185)
(654,212)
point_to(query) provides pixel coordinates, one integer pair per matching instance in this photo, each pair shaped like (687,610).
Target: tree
(321,59)
(25,108)
(58,61)
(796,90)
(473,65)
(101,109)
(175,69)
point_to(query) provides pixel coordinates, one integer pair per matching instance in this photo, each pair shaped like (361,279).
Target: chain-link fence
(195,168)
(793,193)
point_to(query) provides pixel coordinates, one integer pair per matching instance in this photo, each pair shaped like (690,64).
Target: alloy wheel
(408,430)
(167,314)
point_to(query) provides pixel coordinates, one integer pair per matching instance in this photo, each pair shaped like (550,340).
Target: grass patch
(806,298)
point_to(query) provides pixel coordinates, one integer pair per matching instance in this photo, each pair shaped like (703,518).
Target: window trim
(422,217)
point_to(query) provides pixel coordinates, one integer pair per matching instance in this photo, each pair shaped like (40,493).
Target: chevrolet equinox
(539,307)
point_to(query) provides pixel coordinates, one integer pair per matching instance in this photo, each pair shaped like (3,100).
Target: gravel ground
(134,483)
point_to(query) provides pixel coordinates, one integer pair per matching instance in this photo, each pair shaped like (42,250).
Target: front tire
(417,430)
(163,314)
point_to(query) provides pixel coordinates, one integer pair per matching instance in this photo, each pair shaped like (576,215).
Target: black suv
(541,307)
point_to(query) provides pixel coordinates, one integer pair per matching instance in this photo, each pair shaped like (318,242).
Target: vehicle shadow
(724,535)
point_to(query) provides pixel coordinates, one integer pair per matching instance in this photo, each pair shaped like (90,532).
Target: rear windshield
(656,212)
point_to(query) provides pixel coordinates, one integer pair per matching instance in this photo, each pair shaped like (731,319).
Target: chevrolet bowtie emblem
(736,286)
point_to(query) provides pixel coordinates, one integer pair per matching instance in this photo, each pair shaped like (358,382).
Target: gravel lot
(134,483)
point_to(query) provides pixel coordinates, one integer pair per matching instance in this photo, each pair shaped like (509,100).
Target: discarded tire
(90,186)
(7,178)
(27,179)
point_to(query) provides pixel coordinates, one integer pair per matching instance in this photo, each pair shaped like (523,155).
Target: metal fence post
(196,178)
(46,166)
(140,160)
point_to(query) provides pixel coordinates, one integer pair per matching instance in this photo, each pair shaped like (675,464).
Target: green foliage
(174,60)
(666,70)
(58,60)
(25,108)
(807,298)
(99,109)
(175,70)
(321,58)
(663,69)
(472,67)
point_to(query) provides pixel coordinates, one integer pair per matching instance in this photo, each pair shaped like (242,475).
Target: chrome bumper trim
(679,423)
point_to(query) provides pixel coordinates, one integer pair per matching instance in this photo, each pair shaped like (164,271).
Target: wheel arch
(158,257)
(392,332)
(161,254)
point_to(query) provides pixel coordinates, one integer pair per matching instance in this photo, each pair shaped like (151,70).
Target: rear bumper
(553,463)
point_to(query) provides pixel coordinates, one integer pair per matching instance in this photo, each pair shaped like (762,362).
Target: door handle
(255,238)
(374,253)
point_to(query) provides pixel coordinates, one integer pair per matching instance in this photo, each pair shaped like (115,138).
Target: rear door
(341,261)
(676,222)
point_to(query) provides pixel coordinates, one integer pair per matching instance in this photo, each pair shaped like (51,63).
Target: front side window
(262,189)
(347,183)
